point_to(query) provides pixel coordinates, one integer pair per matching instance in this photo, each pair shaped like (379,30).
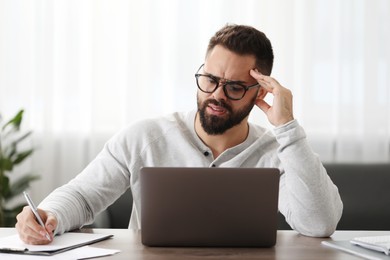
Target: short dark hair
(245,40)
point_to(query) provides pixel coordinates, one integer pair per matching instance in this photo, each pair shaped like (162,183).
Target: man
(234,78)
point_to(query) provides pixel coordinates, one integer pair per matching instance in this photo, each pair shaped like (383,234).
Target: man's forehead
(226,64)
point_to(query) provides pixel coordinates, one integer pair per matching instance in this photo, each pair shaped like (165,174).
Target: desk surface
(289,245)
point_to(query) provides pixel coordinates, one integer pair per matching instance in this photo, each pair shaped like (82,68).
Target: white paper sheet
(77,253)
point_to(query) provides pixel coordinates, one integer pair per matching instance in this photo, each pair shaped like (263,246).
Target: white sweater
(308,198)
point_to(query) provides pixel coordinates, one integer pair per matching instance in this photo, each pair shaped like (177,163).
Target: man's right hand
(29,229)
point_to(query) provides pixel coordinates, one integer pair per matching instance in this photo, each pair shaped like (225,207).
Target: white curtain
(83,69)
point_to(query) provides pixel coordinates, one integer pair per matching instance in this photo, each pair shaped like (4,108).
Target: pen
(35,211)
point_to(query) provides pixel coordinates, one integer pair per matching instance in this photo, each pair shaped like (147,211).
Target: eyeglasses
(233,89)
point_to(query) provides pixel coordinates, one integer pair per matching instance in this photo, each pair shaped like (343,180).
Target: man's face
(218,113)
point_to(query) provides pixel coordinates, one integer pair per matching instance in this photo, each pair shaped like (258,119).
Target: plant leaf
(4,187)
(20,185)
(23,155)
(22,138)
(16,121)
(6,164)
(10,215)
(10,150)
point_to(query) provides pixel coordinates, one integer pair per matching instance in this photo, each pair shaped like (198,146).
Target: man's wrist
(284,127)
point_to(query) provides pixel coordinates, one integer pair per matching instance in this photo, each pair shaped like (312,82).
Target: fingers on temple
(264,106)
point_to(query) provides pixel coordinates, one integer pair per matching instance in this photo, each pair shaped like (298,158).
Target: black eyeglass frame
(224,84)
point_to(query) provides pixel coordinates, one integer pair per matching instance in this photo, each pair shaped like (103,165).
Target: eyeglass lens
(209,85)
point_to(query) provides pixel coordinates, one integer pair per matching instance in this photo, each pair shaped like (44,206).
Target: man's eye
(235,88)
(211,80)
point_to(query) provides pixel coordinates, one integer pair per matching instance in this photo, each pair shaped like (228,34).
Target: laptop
(209,207)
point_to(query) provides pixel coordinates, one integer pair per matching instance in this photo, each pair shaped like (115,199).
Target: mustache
(220,103)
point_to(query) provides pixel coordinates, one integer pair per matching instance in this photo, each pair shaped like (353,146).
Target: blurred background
(83,69)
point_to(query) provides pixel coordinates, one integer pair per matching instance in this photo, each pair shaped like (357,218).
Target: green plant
(10,156)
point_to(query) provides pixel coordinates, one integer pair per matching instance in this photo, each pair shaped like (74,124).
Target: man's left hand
(281,111)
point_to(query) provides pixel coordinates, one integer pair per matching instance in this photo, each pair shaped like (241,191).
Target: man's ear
(261,93)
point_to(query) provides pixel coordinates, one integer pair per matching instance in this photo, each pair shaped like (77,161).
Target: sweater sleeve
(103,181)
(308,199)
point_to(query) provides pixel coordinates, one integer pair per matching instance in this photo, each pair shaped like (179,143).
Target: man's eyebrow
(237,81)
(227,80)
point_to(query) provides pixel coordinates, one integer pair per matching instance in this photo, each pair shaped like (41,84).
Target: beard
(217,125)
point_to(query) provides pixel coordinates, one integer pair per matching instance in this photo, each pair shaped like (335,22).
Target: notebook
(348,247)
(67,241)
(377,243)
(209,207)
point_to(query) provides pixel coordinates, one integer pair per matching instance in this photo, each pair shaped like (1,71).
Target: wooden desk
(290,245)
